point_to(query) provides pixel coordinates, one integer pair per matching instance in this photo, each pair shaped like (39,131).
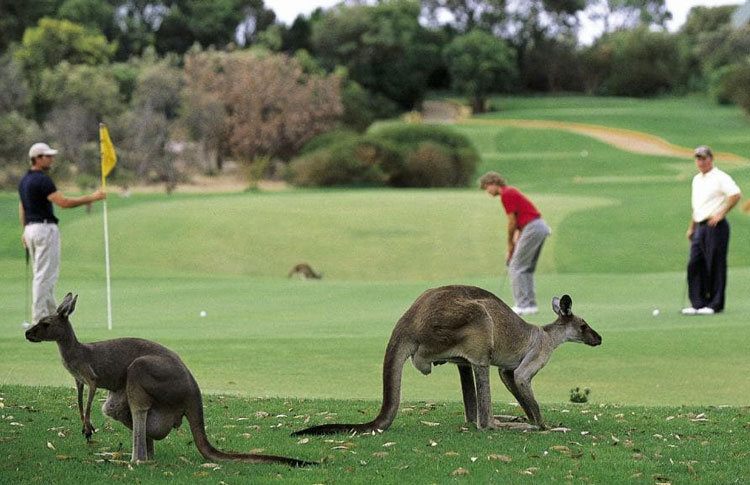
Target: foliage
(16,136)
(55,41)
(398,155)
(17,15)
(579,395)
(352,161)
(467,15)
(383,47)
(428,147)
(629,14)
(253,103)
(480,64)
(639,62)
(210,23)
(14,89)
(737,85)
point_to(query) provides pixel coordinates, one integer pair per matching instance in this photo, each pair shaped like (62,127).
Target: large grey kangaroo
(474,329)
(150,388)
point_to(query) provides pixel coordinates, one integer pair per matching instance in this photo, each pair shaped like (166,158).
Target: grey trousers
(43,241)
(523,262)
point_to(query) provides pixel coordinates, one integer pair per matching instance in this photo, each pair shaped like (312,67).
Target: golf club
(26,290)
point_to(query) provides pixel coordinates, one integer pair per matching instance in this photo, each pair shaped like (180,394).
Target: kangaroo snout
(31,337)
(594,339)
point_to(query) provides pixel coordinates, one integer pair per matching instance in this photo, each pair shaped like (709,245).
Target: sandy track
(628,140)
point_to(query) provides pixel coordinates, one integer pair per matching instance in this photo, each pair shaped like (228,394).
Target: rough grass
(429,442)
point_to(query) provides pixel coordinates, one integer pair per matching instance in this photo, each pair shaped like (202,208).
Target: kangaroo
(304,270)
(150,388)
(474,329)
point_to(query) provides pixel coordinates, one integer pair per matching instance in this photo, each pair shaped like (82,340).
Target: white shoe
(530,310)
(689,311)
(705,311)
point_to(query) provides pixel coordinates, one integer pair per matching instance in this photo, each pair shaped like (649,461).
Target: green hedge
(395,155)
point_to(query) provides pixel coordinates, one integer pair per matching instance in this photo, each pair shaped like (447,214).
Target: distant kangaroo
(150,389)
(305,270)
(474,329)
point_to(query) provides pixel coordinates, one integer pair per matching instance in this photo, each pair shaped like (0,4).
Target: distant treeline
(188,84)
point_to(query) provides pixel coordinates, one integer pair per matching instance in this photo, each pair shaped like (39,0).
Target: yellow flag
(109,157)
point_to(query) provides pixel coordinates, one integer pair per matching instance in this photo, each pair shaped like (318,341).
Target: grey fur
(150,388)
(474,329)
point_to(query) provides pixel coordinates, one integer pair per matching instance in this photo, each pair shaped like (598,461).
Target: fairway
(618,248)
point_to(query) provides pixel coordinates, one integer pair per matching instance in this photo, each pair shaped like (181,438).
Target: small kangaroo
(150,388)
(304,270)
(474,329)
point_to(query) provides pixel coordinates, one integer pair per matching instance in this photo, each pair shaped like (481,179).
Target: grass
(618,248)
(428,443)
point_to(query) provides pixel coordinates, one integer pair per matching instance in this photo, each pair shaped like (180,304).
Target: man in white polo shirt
(714,195)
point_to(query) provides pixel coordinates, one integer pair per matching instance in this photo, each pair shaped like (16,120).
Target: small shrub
(398,155)
(579,396)
(430,165)
(350,162)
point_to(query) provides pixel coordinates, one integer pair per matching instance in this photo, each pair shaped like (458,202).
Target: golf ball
(655,312)
(26,325)
(203,313)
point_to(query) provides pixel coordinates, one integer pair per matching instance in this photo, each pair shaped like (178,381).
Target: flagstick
(106,259)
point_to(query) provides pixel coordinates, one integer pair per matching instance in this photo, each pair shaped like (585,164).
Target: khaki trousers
(43,241)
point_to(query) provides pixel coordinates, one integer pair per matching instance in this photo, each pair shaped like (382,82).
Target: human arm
(732,201)
(512,236)
(64,202)
(22,218)
(691,230)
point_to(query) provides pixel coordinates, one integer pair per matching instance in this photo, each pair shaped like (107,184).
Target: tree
(627,14)
(641,62)
(98,15)
(252,104)
(384,48)
(467,15)
(18,15)
(54,41)
(480,64)
(73,99)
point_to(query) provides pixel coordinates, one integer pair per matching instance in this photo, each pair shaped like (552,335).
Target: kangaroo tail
(194,416)
(393,365)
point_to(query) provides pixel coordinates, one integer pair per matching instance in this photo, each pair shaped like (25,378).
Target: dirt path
(628,140)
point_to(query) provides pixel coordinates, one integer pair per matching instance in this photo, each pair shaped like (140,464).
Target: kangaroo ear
(566,305)
(562,306)
(68,305)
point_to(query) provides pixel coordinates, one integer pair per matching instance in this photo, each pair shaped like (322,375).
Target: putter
(26,290)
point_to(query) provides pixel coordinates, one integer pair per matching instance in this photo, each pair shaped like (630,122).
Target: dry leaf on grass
(430,423)
(460,471)
(503,458)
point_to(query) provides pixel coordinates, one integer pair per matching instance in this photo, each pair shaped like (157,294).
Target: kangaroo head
(56,326)
(576,328)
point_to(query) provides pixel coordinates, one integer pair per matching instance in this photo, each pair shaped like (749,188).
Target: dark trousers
(707,266)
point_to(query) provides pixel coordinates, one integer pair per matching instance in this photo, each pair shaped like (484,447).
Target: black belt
(43,221)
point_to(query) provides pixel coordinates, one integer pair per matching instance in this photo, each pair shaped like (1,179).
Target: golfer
(41,236)
(527,232)
(714,194)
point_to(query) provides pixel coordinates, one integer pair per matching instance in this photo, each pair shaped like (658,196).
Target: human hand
(99,195)
(714,220)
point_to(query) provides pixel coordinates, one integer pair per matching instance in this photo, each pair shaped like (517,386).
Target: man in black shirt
(41,236)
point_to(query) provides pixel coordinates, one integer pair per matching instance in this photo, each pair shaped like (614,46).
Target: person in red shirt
(527,232)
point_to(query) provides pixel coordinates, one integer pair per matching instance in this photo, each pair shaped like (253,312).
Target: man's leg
(524,260)
(697,272)
(717,246)
(44,247)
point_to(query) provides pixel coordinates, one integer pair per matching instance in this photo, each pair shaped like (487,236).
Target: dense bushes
(395,155)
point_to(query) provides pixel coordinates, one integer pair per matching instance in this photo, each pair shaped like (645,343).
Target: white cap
(40,149)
